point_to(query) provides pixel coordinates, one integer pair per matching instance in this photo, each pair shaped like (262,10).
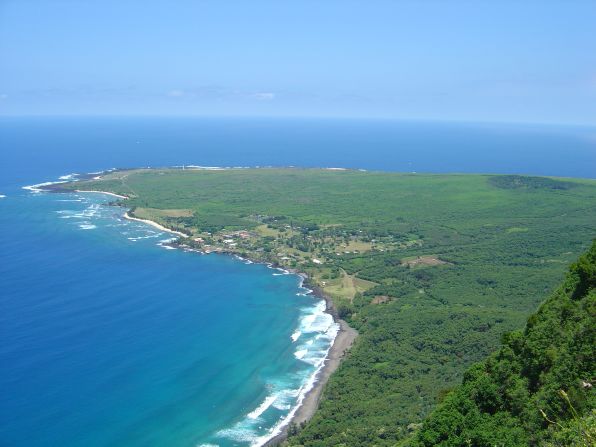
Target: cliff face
(537,389)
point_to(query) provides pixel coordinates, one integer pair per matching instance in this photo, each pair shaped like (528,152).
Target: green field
(431,269)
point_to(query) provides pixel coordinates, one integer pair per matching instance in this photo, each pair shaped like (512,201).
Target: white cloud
(263,96)
(220,94)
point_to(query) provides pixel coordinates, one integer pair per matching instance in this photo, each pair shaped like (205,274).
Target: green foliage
(519,181)
(580,431)
(215,222)
(505,241)
(536,389)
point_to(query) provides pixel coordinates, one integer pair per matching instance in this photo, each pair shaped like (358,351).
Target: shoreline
(154,225)
(129,217)
(305,411)
(136,219)
(101,192)
(338,350)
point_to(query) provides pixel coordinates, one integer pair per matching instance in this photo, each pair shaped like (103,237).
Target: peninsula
(431,270)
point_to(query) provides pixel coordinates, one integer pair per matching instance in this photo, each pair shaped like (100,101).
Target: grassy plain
(431,269)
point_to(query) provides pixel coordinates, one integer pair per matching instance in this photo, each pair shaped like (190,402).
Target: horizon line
(303,117)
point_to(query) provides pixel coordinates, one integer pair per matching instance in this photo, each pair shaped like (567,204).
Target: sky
(505,61)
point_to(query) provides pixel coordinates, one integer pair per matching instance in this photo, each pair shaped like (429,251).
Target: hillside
(430,269)
(537,389)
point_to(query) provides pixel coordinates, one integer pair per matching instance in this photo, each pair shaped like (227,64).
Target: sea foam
(37,188)
(300,353)
(68,176)
(318,330)
(269,400)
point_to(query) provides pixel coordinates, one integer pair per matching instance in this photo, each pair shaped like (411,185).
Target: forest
(537,389)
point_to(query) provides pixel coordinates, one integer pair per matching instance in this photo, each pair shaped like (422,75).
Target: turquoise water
(108,338)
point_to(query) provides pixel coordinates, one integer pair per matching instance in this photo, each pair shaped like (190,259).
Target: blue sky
(518,61)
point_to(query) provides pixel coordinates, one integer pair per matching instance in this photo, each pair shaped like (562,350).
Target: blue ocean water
(108,338)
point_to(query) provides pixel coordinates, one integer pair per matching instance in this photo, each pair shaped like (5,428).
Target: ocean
(110,338)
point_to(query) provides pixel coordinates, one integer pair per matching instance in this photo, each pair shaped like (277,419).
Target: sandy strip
(342,343)
(103,192)
(129,217)
(154,224)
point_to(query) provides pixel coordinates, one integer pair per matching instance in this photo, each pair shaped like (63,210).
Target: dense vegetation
(520,181)
(537,389)
(431,269)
